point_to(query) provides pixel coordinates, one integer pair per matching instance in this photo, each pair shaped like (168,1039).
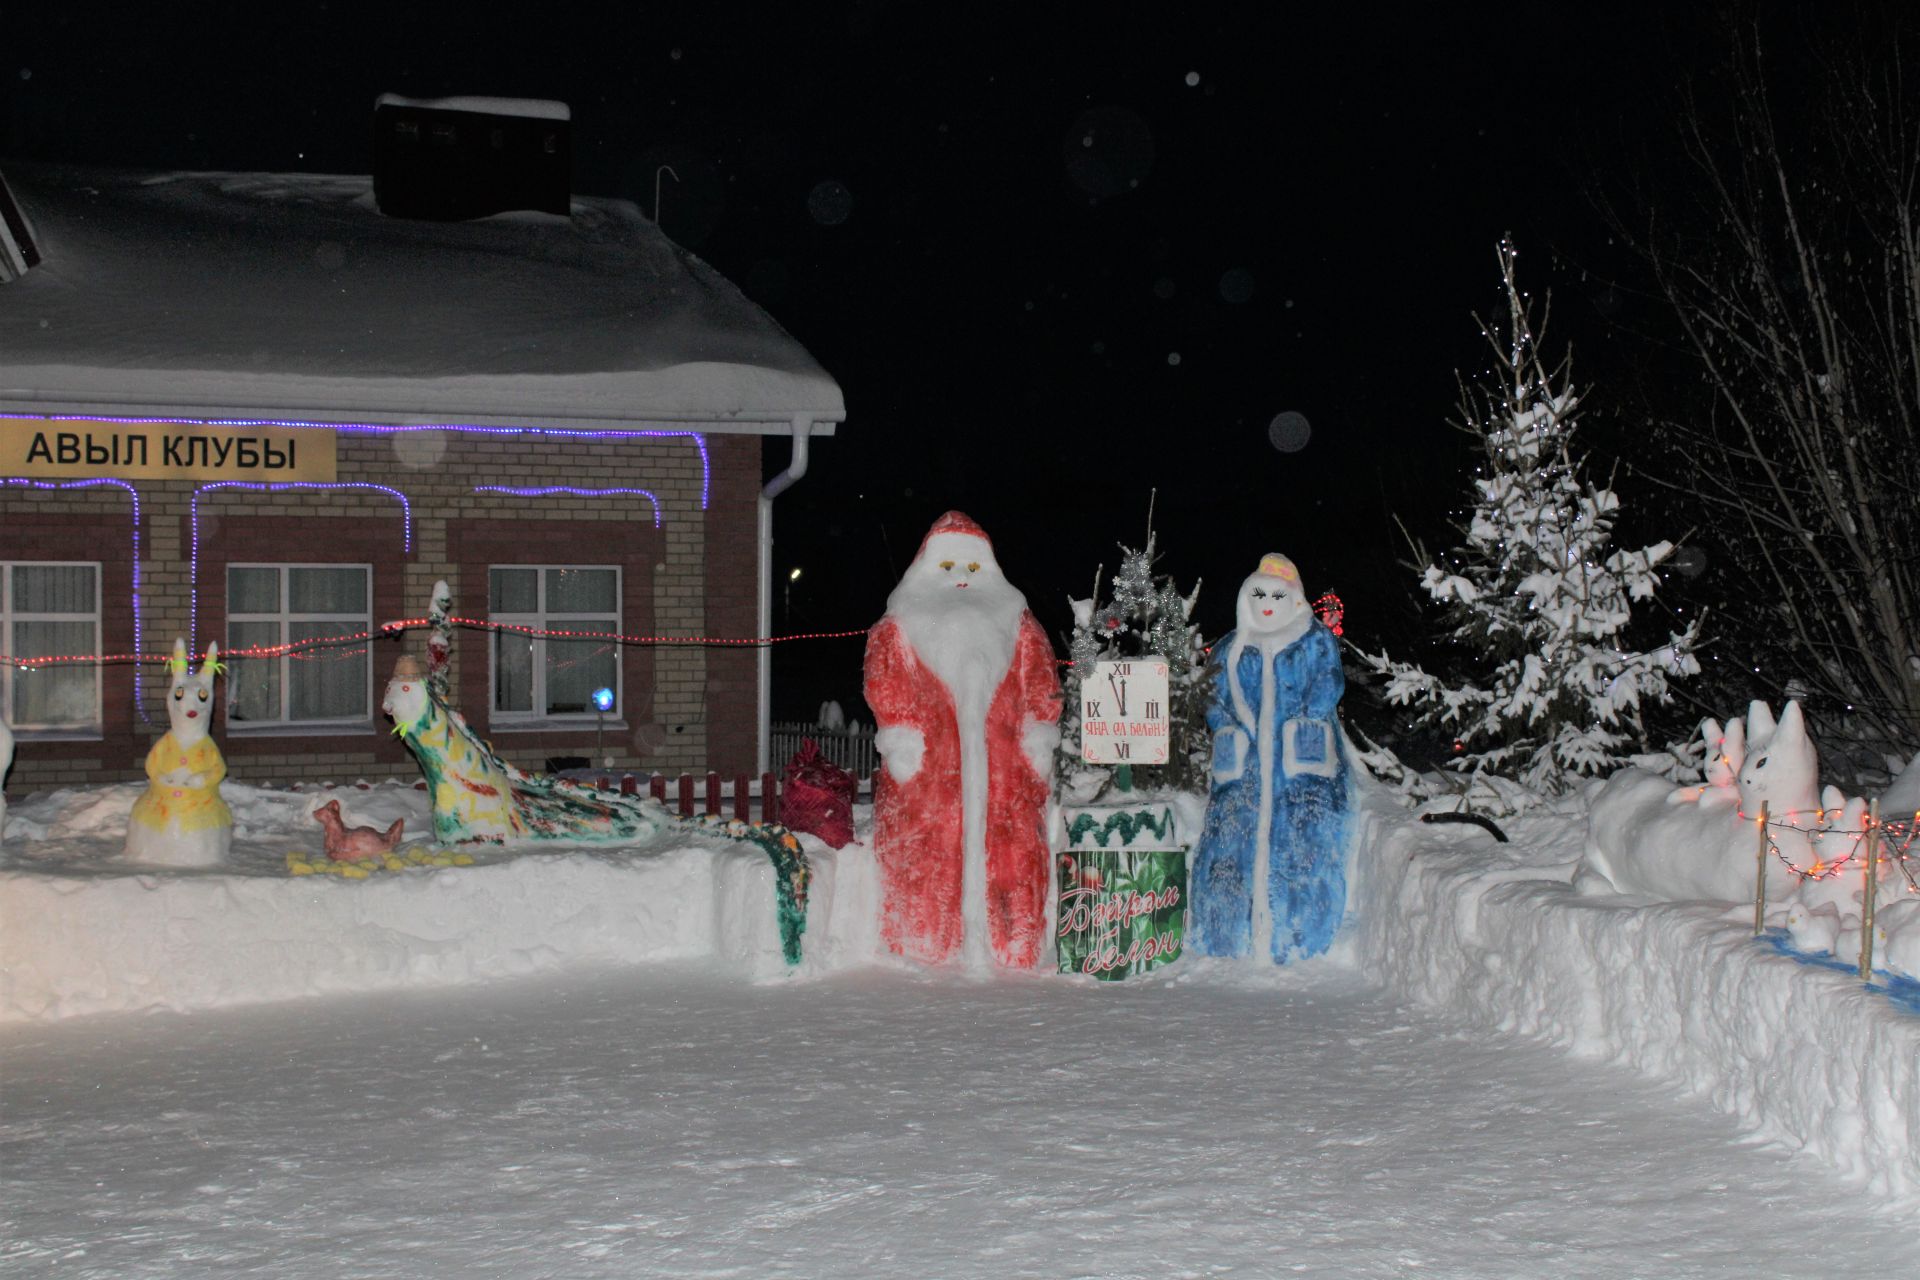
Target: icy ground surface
(663,1121)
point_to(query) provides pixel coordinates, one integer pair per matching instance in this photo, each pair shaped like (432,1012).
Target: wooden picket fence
(850,749)
(712,794)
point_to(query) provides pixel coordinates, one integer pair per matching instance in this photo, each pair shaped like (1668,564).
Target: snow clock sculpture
(180,819)
(1271,863)
(966,699)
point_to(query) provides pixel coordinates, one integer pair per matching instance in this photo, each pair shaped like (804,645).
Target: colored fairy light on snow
(1897,835)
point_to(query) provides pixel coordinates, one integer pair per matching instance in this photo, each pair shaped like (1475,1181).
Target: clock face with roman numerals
(1123,712)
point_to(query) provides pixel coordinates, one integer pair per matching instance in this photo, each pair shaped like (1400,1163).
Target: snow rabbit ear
(1792,726)
(1726,751)
(1760,725)
(1782,766)
(178,665)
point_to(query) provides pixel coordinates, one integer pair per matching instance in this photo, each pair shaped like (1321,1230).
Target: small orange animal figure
(352,844)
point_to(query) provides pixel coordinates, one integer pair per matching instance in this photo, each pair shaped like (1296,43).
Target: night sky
(1056,260)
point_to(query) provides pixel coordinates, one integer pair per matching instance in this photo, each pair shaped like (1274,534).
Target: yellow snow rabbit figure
(180,820)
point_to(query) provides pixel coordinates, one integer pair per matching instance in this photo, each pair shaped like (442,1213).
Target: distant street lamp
(793,576)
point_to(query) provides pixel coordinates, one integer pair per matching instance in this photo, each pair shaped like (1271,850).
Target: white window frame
(285,617)
(545,620)
(9,616)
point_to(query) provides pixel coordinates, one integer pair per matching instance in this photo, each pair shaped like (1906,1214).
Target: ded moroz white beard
(964,635)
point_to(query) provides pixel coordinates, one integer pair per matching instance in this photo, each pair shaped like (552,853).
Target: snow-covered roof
(249,295)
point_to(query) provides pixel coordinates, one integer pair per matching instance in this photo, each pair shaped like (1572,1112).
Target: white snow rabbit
(180,820)
(1647,837)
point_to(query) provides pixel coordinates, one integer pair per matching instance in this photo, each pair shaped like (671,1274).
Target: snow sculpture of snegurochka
(1271,864)
(180,819)
(966,700)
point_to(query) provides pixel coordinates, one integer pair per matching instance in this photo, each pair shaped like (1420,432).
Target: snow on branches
(1536,605)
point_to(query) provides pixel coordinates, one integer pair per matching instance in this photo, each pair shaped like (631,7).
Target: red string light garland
(1328,607)
(1893,831)
(412,624)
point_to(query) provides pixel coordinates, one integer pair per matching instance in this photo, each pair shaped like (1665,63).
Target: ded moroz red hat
(955,522)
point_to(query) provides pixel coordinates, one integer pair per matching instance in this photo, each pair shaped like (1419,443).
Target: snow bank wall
(1679,991)
(81,944)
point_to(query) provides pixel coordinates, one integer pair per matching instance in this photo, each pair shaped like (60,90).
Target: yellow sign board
(83,448)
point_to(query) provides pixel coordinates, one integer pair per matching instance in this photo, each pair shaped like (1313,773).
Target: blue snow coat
(1278,812)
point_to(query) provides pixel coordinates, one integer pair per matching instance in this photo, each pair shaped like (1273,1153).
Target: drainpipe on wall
(796,468)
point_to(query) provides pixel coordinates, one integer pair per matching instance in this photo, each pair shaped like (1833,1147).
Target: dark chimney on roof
(449,159)
(18,251)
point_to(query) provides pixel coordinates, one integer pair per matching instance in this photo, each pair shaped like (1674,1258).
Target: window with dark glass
(552,648)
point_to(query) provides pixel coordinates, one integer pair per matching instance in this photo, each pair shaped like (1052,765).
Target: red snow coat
(918,839)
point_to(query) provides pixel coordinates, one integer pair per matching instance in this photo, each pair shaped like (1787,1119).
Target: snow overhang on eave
(755,422)
(288,297)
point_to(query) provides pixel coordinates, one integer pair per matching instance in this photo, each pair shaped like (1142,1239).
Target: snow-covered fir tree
(1146,617)
(1537,606)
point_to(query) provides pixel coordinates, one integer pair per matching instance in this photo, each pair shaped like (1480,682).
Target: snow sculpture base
(171,847)
(1123,891)
(101,938)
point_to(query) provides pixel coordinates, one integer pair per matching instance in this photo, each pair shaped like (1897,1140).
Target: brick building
(251,409)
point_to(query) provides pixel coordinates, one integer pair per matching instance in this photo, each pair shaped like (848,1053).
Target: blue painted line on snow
(1897,988)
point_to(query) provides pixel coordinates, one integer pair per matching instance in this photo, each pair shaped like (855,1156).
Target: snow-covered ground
(670,1121)
(585,1063)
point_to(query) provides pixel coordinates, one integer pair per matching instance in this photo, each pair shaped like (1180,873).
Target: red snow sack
(816,796)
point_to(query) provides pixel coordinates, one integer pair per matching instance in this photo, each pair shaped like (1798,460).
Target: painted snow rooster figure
(1271,865)
(966,698)
(180,820)
(478,796)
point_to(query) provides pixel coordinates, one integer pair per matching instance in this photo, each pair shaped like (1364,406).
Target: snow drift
(1680,991)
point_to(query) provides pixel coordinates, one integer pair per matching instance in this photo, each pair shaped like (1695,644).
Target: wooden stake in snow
(1871,891)
(1760,876)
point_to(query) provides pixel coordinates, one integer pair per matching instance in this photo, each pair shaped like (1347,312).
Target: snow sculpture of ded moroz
(180,819)
(1271,864)
(966,699)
